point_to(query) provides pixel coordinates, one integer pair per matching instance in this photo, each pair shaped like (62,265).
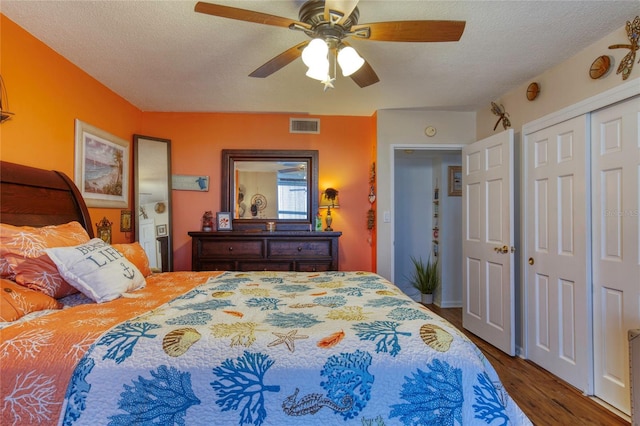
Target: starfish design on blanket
(288,339)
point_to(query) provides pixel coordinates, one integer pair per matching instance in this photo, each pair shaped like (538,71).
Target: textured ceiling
(163,56)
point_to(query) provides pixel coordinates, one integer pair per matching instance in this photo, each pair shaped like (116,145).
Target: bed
(234,348)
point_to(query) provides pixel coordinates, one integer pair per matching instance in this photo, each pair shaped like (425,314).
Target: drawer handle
(299,248)
(230,248)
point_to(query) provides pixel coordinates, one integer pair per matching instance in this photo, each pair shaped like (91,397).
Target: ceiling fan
(332,21)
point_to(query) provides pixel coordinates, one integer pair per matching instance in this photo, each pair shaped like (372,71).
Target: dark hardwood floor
(544,398)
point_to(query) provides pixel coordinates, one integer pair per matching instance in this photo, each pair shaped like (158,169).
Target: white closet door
(616,257)
(557,227)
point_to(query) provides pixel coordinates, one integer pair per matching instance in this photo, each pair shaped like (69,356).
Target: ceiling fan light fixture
(319,71)
(349,60)
(315,52)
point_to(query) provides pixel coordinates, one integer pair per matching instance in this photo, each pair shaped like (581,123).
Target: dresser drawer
(298,248)
(313,266)
(216,266)
(226,248)
(265,266)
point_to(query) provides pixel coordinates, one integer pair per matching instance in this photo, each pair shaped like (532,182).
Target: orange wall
(344,145)
(47,93)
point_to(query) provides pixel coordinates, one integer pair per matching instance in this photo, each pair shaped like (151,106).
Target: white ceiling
(163,56)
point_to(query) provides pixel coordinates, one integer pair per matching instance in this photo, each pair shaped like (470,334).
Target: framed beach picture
(101,167)
(455,181)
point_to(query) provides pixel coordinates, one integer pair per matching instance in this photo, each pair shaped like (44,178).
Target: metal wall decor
(633,33)
(500,112)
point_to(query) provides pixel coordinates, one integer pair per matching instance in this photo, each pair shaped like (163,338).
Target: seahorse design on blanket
(312,403)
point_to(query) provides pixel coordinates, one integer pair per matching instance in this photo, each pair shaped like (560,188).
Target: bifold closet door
(616,235)
(556,215)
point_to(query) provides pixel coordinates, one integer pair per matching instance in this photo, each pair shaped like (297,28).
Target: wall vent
(304,125)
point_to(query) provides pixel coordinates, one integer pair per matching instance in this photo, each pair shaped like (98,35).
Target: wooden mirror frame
(230,156)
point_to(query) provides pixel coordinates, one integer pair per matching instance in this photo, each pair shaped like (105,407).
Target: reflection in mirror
(270,185)
(152,169)
(271,190)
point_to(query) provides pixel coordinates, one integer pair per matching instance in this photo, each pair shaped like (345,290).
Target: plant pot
(426,299)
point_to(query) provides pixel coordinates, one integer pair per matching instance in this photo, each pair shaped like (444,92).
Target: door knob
(503,249)
(531,261)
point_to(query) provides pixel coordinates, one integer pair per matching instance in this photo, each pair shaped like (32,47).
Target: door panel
(557,286)
(487,204)
(616,257)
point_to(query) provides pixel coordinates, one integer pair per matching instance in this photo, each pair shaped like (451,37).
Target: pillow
(24,250)
(136,255)
(16,301)
(98,270)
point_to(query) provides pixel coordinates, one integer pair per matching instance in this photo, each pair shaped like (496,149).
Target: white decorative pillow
(98,270)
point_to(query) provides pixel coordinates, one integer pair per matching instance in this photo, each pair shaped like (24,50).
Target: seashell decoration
(436,337)
(178,342)
(221,294)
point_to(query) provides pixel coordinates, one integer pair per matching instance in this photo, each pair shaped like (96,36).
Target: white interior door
(616,257)
(557,235)
(487,240)
(147,236)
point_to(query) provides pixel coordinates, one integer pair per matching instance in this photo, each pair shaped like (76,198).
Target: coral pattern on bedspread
(277,348)
(37,357)
(266,348)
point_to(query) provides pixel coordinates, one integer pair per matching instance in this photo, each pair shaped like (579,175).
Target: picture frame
(455,181)
(101,167)
(223,221)
(126,221)
(161,230)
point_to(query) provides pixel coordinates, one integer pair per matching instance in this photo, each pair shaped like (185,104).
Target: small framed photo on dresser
(223,221)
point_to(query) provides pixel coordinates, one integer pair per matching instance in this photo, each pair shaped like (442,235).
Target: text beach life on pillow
(97,270)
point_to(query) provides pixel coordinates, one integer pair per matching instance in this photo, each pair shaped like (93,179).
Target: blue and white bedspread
(279,348)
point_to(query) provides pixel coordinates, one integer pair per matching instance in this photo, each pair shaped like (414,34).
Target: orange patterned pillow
(24,249)
(16,301)
(136,255)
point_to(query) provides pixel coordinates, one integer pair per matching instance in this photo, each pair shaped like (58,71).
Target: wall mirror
(260,186)
(152,193)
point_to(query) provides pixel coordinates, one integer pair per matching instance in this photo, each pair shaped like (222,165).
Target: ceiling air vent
(304,125)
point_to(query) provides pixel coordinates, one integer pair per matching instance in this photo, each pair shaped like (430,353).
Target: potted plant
(425,278)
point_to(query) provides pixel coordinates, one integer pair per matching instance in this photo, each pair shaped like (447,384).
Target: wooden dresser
(264,251)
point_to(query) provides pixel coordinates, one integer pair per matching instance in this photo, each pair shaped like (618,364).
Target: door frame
(586,106)
(392,199)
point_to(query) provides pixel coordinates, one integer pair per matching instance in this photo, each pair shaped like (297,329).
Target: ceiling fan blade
(246,15)
(412,31)
(345,7)
(365,76)
(280,61)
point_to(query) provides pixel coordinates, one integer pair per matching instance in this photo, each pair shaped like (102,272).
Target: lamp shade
(315,52)
(326,201)
(349,60)
(319,71)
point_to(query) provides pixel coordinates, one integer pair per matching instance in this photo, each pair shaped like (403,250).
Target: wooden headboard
(37,197)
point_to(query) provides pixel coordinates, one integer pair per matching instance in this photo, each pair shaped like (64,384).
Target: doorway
(417,172)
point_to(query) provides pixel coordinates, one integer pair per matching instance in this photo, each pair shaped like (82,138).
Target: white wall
(560,87)
(398,129)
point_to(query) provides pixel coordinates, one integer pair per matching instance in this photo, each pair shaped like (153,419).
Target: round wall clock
(430,131)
